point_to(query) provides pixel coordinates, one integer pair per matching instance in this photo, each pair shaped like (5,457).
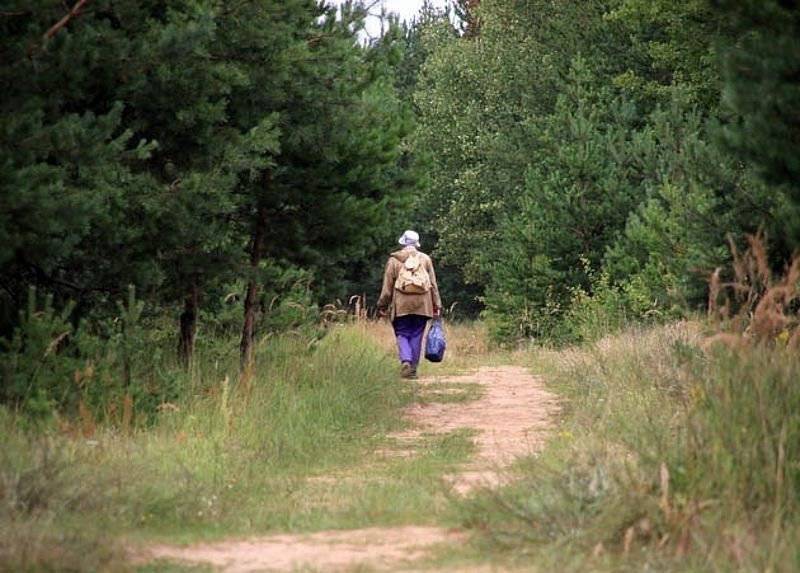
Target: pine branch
(73,13)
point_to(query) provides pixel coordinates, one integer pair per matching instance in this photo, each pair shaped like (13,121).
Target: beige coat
(401,303)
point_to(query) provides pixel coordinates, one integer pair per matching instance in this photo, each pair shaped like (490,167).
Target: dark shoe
(406,370)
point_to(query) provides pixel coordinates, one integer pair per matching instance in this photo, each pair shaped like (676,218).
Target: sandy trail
(378,547)
(510,419)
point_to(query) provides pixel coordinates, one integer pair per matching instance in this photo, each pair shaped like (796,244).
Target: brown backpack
(413,278)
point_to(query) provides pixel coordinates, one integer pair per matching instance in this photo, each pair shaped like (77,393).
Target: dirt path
(378,547)
(509,419)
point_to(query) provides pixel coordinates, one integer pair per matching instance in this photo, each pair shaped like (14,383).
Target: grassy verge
(225,460)
(300,446)
(672,456)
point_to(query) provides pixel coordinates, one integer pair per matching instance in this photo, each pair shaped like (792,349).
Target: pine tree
(576,199)
(176,146)
(132,141)
(761,71)
(323,201)
(70,174)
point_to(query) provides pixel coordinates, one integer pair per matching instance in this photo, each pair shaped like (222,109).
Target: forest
(197,199)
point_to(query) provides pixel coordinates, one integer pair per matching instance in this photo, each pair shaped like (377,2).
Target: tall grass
(669,458)
(680,447)
(225,458)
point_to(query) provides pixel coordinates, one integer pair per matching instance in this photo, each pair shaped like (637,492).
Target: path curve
(510,419)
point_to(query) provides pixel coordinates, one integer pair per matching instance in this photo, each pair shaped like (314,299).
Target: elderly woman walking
(410,289)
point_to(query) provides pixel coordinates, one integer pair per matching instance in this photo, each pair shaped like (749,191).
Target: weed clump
(756,305)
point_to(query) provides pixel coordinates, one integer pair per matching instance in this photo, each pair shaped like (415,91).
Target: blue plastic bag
(435,344)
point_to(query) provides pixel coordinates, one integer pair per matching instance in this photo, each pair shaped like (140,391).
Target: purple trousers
(408,330)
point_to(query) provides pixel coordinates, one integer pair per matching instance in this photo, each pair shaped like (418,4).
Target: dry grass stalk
(224,404)
(630,534)
(246,377)
(759,306)
(360,309)
(88,425)
(356,311)
(127,414)
(664,479)
(714,290)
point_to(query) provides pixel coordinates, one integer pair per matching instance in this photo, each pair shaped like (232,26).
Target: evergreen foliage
(761,70)
(558,157)
(194,150)
(586,146)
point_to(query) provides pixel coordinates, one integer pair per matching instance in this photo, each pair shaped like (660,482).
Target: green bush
(34,366)
(608,309)
(122,369)
(52,365)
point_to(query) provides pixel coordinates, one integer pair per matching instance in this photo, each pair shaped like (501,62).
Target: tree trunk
(251,299)
(188,326)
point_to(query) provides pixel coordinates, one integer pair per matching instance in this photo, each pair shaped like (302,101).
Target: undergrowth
(226,458)
(679,448)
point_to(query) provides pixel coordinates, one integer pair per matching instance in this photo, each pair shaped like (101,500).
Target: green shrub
(52,365)
(122,369)
(608,309)
(34,366)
